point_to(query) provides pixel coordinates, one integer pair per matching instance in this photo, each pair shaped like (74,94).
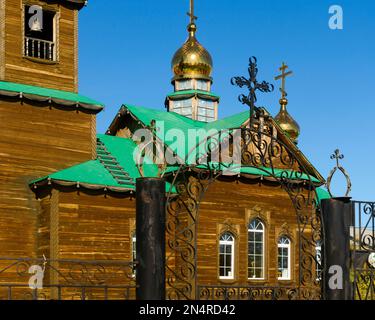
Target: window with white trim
(206,110)
(226,256)
(283,258)
(183,107)
(318,261)
(185,85)
(255,267)
(202,85)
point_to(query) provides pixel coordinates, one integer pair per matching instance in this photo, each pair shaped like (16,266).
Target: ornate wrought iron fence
(363,250)
(260,150)
(247,293)
(44,279)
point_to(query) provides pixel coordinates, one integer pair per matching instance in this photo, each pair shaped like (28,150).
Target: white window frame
(263,247)
(288,246)
(134,252)
(318,262)
(230,243)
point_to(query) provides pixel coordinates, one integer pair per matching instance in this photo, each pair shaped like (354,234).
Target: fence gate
(362,242)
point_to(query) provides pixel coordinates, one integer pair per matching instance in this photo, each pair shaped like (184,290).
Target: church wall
(34,142)
(61,74)
(95,227)
(230,207)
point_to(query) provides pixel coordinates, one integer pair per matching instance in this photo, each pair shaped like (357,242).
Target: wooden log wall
(34,142)
(230,206)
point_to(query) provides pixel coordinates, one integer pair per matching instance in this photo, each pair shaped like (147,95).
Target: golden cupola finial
(283,118)
(192,60)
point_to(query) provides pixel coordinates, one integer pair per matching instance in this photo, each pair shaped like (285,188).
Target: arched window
(283,259)
(226,256)
(255,267)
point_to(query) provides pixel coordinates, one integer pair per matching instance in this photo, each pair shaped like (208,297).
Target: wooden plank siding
(34,142)
(95,227)
(230,206)
(61,74)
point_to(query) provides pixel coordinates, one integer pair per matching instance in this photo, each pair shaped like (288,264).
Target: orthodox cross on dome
(191,12)
(253,85)
(283,76)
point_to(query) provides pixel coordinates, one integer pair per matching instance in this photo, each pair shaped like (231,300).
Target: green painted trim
(192,93)
(58,96)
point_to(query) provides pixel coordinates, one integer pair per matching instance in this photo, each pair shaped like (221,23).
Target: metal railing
(362,244)
(37,48)
(363,226)
(45,279)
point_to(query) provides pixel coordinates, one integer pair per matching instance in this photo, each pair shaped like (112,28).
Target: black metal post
(150,235)
(337,214)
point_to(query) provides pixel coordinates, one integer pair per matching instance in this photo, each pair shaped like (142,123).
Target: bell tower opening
(40,33)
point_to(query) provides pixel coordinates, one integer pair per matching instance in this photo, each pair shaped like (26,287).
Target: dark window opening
(39,34)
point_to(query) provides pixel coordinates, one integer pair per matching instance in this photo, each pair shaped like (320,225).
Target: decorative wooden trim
(54,241)
(93,136)
(38,60)
(194,108)
(2,39)
(76,56)
(216,107)
(45,6)
(132,229)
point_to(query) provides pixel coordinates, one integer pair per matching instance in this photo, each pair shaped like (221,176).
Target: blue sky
(126,49)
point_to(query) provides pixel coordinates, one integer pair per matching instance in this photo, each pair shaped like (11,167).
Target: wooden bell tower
(39,42)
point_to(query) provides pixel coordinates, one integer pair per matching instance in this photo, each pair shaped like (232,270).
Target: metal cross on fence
(338,156)
(253,85)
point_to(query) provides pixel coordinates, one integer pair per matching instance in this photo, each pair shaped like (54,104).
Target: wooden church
(68,194)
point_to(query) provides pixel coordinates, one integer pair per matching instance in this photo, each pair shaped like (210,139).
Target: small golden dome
(192,60)
(286,122)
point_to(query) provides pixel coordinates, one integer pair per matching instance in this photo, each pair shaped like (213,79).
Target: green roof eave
(186,94)
(322,194)
(94,175)
(40,94)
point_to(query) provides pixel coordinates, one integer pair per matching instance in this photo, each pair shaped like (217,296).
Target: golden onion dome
(192,60)
(286,121)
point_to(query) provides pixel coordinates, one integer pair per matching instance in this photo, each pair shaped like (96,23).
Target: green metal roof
(44,94)
(183,94)
(116,170)
(101,173)
(172,121)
